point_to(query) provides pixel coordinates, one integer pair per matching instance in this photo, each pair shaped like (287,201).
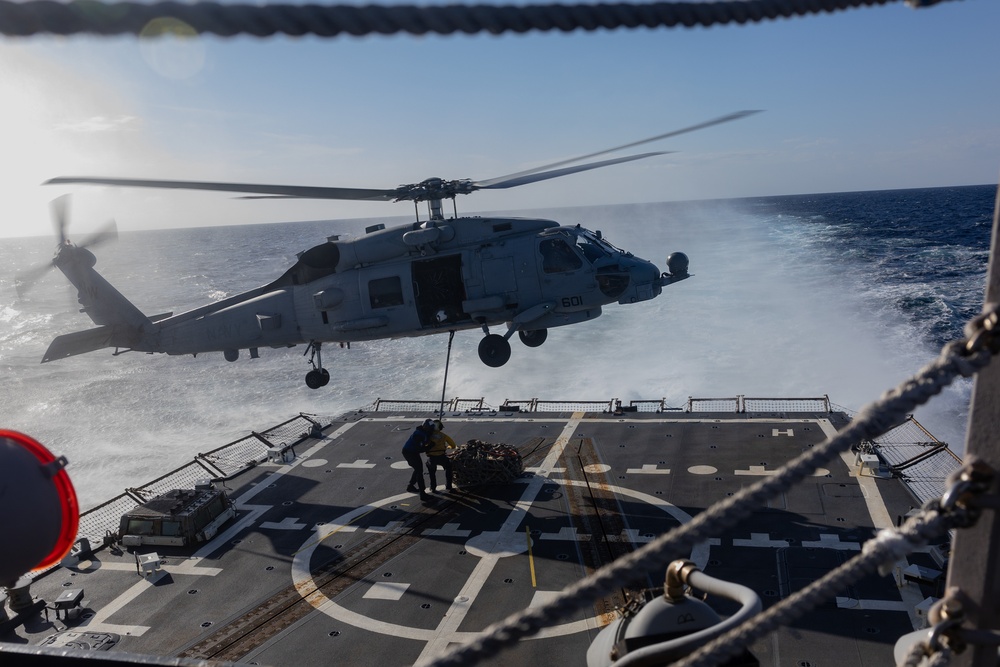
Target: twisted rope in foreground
(226,20)
(888,546)
(890,410)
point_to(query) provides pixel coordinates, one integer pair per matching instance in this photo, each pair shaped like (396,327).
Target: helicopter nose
(644,282)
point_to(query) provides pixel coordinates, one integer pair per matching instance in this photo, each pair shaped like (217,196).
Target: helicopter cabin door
(439,291)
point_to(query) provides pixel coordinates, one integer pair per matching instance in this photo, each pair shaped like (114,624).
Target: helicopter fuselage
(422,279)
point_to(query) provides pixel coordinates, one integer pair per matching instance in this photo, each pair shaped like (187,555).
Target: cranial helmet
(428,423)
(438,425)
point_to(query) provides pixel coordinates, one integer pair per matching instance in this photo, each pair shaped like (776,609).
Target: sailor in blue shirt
(418,443)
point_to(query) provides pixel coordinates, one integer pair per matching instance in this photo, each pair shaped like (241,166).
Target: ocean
(844,295)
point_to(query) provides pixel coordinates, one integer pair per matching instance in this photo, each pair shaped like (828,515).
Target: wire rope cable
(34,17)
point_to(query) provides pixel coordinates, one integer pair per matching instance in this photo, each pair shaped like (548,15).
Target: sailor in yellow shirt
(441,442)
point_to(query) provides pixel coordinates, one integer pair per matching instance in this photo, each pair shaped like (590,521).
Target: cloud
(99,124)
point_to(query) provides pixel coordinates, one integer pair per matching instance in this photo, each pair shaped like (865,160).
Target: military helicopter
(436,275)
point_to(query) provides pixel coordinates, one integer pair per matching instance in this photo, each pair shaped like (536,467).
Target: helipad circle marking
(399,465)
(597,468)
(703,470)
(313,463)
(303,581)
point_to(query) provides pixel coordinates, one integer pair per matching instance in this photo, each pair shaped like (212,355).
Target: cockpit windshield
(592,246)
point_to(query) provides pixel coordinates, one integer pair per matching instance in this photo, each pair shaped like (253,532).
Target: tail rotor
(66,253)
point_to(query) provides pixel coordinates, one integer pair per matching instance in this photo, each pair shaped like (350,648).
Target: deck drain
(361,488)
(662,463)
(718,479)
(287,503)
(193,591)
(338,546)
(622,446)
(872,631)
(269,568)
(206,624)
(462,552)
(562,557)
(841,519)
(67,583)
(362,444)
(659,493)
(508,581)
(272,486)
(771,593)
(327,470)
(334,633)
(713,446)
(806,663)
(425,606)
(387,574)
(715,562)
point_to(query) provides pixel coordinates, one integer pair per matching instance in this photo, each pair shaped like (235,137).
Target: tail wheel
(494,350)
(533,338)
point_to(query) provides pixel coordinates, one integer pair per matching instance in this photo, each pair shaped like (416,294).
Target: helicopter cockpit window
(591,248)
(385,292)
(558,256)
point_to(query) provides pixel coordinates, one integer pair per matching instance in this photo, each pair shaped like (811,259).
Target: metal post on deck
(974,567)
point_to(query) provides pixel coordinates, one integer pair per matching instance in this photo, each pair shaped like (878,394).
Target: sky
(875,98)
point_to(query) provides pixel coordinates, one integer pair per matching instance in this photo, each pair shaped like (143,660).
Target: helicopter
(430,276)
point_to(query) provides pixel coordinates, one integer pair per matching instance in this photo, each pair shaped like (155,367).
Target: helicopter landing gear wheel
(494,350)
(317,378)
(533,338)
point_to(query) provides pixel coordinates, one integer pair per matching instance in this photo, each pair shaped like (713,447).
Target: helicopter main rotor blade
(524,178)
(708,123)
(284,191)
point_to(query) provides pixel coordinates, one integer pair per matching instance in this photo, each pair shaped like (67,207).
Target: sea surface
(844,295)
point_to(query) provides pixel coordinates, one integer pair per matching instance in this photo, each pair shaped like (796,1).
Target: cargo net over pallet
(477,463)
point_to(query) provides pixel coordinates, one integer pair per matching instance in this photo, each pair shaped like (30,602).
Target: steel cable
(36,17)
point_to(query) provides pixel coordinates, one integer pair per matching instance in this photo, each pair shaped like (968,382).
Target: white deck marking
(828,541)
(876,605)
(703,470)
(762,540)
(647,469)
(567,533)
(758,471)
(778,432)
(391,527)
(360,463)
(382,590)
(288,523)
